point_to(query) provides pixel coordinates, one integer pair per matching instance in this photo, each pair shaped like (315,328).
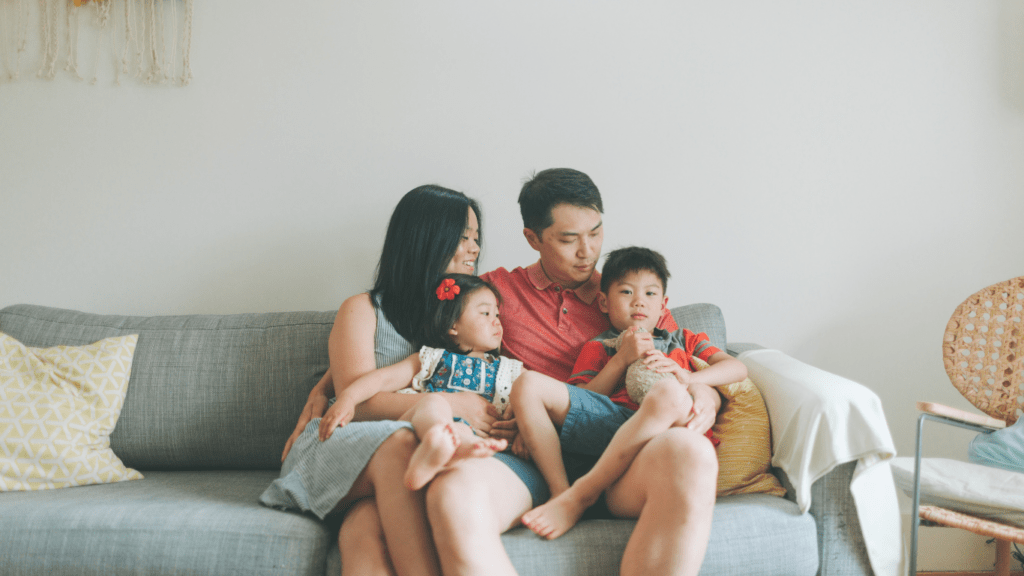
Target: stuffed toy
(639,378)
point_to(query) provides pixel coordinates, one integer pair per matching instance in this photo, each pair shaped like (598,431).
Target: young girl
(459,355)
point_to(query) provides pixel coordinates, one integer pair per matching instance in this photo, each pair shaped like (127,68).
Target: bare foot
(436,449)
(479,448)
(556,516)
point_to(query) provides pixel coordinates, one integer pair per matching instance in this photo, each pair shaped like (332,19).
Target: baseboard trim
(990,573)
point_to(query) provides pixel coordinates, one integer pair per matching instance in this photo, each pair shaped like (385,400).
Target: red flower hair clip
(447,290)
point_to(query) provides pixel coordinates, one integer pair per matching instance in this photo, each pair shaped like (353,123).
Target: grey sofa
(210,403)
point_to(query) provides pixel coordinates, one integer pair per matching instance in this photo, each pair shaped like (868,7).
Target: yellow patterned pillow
(58,407)
(745,452)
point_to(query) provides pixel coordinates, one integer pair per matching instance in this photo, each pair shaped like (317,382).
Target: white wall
(838,177)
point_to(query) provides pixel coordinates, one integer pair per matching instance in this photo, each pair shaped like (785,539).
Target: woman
(358,469)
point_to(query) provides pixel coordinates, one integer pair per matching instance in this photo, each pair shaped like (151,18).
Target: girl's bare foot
(436,449)
(477,447)
(556,516)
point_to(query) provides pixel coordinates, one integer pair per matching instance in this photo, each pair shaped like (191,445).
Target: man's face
(636,299)
(570,247)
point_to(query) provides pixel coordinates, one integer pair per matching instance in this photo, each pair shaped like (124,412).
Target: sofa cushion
(198,523)
(206,392)
(744,529)
(706,318)
(58,407)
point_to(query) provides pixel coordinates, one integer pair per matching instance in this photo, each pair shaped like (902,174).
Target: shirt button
(565,310)
(558,288)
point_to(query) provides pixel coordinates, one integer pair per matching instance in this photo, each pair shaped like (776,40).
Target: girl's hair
(424,232)
(445,313)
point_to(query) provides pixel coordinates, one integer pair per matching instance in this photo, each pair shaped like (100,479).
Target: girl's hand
(635,345)
(657,361)
(480,413)
(339,414)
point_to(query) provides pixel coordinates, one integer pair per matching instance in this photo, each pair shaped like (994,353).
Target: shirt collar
(585,293)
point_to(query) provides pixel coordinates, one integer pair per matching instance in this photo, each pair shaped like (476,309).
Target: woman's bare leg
(361,542)
(469,507)
(667,404)
(670,490)
(403,518)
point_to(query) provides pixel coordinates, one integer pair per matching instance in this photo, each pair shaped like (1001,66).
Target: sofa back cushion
(705,318)
(206,392)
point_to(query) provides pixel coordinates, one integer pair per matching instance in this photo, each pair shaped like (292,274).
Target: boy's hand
(634,345)
(339,414)
(657,361)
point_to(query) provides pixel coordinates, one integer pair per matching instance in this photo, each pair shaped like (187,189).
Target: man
(550,310)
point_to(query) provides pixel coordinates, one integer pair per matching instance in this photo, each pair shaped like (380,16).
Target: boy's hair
(620,262)
(445,313)
(549,188)
(422,237)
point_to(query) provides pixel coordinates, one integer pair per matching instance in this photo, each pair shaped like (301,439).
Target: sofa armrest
(821,422)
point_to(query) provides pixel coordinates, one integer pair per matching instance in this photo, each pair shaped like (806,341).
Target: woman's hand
(480,413)
(316,404)
(706,402)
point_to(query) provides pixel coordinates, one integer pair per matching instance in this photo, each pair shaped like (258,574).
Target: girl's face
(464,261)
(479,328)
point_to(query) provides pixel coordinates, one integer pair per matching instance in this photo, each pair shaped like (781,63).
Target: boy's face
(636,299)
(570,247)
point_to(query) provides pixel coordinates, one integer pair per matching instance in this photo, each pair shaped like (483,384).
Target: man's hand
(480,413)
(706,402)
(315,406)
(506,427)
(634,345)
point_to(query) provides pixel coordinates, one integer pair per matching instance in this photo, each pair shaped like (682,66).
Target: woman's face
(464,261)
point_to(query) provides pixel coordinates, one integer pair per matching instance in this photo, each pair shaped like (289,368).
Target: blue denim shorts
(530,476)
(589,425)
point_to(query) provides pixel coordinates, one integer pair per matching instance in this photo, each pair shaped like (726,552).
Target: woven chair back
(982,352)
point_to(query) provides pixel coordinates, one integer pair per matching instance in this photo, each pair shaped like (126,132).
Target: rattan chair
(981,351)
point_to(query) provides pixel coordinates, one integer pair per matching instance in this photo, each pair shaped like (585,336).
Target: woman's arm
(350,348)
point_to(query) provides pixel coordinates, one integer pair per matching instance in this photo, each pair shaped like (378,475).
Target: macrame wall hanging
(146,40)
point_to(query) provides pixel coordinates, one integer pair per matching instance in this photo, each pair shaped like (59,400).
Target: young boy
(595,414)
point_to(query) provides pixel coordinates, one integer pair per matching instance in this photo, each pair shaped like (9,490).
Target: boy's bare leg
(361,542)
(469,506)
(540,403)
(670,489)
(667,404)
(442,441)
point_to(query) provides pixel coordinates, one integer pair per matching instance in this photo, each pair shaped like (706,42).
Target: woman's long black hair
(446,312)
(424,232)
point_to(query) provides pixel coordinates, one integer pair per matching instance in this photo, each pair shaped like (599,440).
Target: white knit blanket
(819,421)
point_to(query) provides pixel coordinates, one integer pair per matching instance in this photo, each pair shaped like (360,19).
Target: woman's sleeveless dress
(317,475)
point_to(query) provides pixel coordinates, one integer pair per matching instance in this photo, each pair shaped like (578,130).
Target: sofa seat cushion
(197,523)
(750,534)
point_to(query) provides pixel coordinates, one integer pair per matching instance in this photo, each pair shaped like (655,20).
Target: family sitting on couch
(428,482)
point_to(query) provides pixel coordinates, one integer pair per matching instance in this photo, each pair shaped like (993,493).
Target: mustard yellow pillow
(745,451)
(58,407)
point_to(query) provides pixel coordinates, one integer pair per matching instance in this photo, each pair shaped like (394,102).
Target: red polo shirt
(545,325)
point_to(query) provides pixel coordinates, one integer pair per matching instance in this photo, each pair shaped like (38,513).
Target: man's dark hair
(549,188)
(623,261)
